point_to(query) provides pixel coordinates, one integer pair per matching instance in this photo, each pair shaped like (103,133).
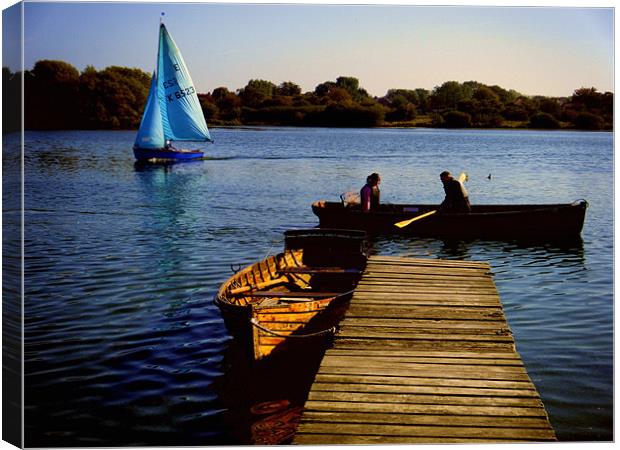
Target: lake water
(123,343)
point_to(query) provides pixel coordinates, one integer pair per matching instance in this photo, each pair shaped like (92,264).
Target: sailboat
(172,112)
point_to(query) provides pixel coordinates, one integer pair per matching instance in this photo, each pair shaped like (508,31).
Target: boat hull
(148,154)
(549,222)
(294,298)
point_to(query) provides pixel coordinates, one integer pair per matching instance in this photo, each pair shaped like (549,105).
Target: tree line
(58,96)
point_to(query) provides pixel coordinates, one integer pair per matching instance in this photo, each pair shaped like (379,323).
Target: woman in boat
(457,199)
(370,194)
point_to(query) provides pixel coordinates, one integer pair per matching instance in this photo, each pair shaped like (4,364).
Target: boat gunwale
(527,209)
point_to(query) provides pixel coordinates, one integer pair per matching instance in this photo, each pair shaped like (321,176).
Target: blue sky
(546,51)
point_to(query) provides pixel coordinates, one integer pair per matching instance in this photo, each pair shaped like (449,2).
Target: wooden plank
(371,273)
(475,302)
(414,312)
(422,332)
(425,296)
(353,332)
(468,346)
(395,260)
(432,431)
(429,372)
(418,399)
(445,290)
(415,380)
(343,350)
(427,390)
(416,268)
(348,439)
(423,419)
(423,323)
(418,367)
(332,359)
(412,408)
(408,281)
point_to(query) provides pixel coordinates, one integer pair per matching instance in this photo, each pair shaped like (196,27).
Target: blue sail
(182,117)
(151,132)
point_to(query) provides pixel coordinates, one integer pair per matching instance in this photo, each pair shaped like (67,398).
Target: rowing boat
(545,221)
(294,296)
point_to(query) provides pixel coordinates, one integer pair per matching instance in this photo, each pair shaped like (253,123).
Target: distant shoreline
(58,97)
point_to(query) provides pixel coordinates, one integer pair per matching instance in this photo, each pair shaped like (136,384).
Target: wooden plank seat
(319,270)
(301,294)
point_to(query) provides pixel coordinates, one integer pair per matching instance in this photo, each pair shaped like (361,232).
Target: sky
(547,51)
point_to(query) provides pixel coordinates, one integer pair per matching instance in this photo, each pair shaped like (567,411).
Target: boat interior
(311,268)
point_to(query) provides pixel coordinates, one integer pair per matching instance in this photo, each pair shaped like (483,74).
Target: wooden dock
(423,355)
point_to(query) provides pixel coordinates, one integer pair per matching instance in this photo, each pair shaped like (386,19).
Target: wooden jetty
(423,355)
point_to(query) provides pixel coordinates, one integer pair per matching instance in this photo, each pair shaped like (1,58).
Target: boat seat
(316,270)
(301,294)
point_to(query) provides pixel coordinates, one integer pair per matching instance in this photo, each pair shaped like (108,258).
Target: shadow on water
(264,399)
(403,245)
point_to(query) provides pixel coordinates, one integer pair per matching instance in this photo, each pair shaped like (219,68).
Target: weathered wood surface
(423,355)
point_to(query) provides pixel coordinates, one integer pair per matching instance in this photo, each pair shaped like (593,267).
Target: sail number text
(183,92)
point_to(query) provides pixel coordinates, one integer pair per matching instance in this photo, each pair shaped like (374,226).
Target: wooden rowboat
(548,221)
(295,296)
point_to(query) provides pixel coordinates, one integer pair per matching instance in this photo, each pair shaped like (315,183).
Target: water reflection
(411,246)
(264,399)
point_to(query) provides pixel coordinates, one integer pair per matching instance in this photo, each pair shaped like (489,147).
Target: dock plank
(423,355)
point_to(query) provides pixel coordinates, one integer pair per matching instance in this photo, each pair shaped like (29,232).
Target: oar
(404,223)
(260,285)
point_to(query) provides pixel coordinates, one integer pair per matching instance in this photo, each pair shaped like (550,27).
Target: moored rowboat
(547,221)
(296,295)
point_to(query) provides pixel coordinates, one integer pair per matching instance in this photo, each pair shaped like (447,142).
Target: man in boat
(457,199)
(370,194)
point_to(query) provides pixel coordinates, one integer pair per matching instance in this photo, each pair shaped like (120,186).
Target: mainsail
(173,111)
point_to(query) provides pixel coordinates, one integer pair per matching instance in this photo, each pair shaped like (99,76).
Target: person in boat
(457,199)
(169,146)
(370,194)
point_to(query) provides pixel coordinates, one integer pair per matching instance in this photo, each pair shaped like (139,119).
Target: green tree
(589,121)
(256,91)
(112,98)
(409,95)
(456,119)
(515,112)
(323,89)
(352,86)
(544,121)
(423,99)
(229,104)
(208,106)
(288,88)
(550,106)
(448,95)
(339,95)
(11,101)
(51,95)
(400,108)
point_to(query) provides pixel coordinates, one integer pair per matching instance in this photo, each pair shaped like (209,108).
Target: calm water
(123,343)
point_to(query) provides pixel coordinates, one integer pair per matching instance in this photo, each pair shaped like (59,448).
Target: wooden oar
(404,223)
(260,285)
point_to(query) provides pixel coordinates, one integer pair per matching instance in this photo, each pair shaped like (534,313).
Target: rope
(267,330)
